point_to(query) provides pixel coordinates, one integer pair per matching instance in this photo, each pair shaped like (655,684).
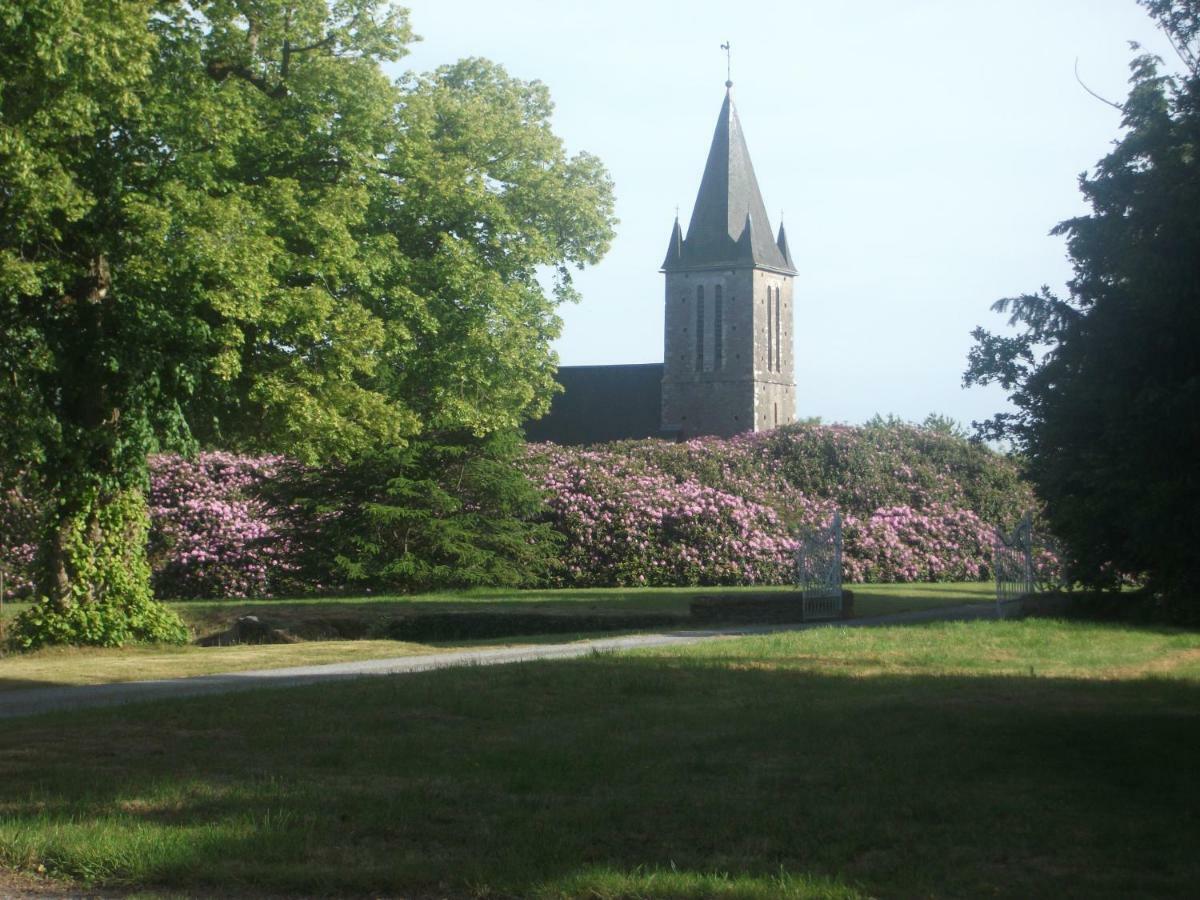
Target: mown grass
(91,665)
(1046,649)
(1009,759)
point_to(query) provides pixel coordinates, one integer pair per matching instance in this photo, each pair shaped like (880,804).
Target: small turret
(781,243)
(675,248)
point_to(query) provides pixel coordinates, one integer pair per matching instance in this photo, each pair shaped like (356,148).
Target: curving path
(32,701)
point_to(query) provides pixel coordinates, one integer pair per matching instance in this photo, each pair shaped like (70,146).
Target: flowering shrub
(916,505)
(898,543)
(19,519)
(213,531)
(629,527)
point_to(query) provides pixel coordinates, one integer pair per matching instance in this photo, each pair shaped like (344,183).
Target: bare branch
(1183,51)
(1117,106)
(219,70)
(317,45)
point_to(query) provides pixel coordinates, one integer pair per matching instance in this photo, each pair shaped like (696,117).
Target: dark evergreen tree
(1106,382)
(447,510)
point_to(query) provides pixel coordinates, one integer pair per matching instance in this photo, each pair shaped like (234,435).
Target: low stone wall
(459,626)
(767,608)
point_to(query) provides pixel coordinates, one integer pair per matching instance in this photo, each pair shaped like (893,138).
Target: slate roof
(603,403)
(729,224)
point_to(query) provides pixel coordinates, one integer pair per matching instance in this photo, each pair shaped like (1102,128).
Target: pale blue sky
(920,149)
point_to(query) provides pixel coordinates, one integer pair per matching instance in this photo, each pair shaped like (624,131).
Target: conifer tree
(1106,381)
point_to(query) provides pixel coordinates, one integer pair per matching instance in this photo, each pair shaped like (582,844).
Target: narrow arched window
(718,328)
(699,328)
(770,335)
(778,330)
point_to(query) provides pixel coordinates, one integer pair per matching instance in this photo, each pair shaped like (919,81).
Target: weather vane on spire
(728,64)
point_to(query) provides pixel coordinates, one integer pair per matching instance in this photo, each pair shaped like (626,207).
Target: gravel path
(31,701)
(23,886)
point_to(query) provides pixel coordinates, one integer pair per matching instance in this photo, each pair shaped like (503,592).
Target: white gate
(818,572)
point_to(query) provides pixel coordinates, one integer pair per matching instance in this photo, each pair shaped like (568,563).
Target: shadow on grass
(20,684)
(624,776)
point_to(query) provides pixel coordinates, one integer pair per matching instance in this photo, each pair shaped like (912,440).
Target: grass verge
(1004,759)
(95,665)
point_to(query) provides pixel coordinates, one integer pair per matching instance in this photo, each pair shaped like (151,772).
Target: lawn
(95,665)
(1007,759)
(364,617)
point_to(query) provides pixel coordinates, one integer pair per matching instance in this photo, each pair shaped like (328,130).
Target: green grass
(94,665)
(1002,759)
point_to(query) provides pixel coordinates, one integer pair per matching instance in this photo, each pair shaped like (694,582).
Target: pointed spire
(782,244)
(675,248)
(728,204)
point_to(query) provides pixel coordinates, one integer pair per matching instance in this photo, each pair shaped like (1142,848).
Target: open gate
(1012,561)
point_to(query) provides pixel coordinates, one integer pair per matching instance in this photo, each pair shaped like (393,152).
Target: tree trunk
(92,575)
(95,548)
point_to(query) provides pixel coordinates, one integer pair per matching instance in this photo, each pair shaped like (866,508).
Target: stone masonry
(727,365)
(728,337)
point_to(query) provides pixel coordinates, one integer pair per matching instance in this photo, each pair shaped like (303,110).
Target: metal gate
(1012,561)
(818,572)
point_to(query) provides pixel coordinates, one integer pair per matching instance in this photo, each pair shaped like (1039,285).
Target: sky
(918,151)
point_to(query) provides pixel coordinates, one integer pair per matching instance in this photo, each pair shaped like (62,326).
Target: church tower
(728,364)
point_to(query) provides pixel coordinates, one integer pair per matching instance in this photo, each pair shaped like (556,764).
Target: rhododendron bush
(899,543)
(918,504)
(19,521)
(214,532)
(627,524)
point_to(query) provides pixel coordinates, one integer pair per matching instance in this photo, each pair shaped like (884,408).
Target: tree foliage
(1106,381)
(221,223)
(447,510)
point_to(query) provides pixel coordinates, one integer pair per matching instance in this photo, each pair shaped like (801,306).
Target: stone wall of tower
(774,351)
(724,378)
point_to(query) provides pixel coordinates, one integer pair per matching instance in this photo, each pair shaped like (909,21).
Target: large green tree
(1106,381)
(221,222)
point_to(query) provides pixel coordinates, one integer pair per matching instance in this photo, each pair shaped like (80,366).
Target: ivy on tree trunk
(93,575)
